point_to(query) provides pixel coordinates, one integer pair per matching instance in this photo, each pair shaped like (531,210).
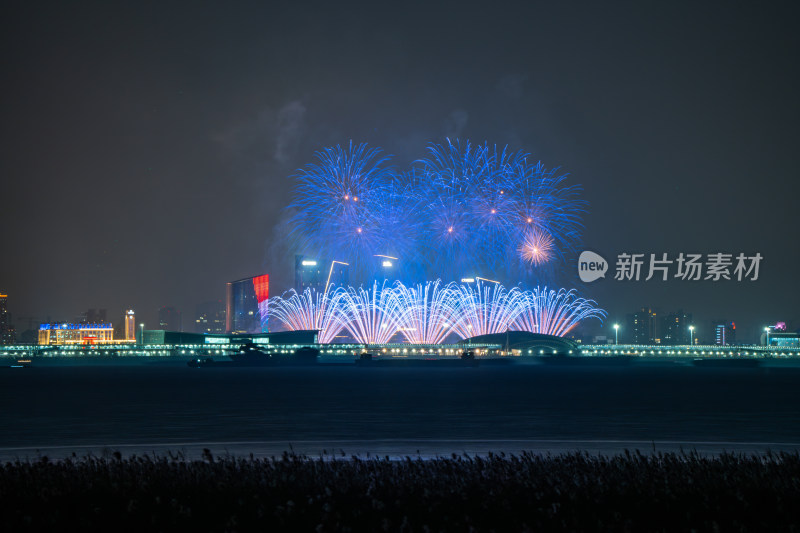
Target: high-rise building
(246,305)
(308,274)
(170,319)
(642,327)
(7,331)
(674,328)
(724,333)
(210,318)
(315,274)
(130,325)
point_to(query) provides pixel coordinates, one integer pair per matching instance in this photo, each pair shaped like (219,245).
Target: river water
(57,411)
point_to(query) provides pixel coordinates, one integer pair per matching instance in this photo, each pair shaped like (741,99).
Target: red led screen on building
(261,286)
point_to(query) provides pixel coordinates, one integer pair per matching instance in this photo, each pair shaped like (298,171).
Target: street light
(691,335)
(616,334)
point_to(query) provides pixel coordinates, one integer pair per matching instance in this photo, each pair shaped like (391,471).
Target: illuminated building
(170,319)
(130,326)
(246,305)
(308,274)
(780,338)
(58,334)
(210,318)
(7,332)
(642,327)
(313,274)
(674,328)
(724,333)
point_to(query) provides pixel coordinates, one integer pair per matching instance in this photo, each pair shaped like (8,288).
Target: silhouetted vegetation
(529,492)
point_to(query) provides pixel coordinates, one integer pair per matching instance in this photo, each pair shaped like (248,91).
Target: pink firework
(537,248)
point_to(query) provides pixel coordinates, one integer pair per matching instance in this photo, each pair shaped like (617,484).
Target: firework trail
(554,312)
(426,312)
(370,316)
(309,310)
(486,308)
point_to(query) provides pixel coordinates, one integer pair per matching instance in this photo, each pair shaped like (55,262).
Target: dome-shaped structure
(525,340)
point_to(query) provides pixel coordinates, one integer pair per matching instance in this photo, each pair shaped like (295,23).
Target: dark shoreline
(575,491)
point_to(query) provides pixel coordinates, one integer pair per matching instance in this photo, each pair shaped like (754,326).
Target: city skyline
(682,140)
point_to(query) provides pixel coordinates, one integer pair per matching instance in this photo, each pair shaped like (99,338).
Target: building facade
(59,334)
(674,328)
(310,273)
(246,303)
(210,318)
(7,331)
(642,327)
(724,333)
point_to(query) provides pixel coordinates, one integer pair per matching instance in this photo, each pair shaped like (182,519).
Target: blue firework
(337,203)
(464,210)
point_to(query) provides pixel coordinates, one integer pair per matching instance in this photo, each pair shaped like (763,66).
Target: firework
(462,209)
(542,201)
(370,316)
(337,203)
(309,310)
(554,312)
(537,248)
(486,308)
(426,312)
(484,204)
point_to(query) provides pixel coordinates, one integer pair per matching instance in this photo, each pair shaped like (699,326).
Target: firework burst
(537,248)
(463,208)
(338,201)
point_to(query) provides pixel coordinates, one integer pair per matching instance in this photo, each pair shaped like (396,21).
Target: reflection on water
(398,411)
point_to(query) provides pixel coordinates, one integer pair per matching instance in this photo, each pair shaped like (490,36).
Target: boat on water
(726,362)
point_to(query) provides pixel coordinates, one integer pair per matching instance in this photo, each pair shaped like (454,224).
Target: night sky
(146,149)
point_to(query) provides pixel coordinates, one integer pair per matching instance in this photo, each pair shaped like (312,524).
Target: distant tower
(7,332)
(130,326)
